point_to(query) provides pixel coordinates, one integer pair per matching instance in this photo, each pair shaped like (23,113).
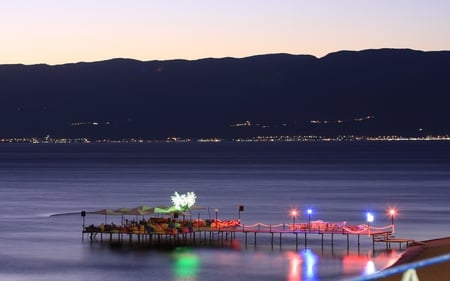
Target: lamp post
(198,221)
(369,220)
(309,219)
(294,215)
(241,209)
(216,210)
(392,212)
(83,215)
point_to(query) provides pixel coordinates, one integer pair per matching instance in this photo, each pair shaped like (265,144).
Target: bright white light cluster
(183,202)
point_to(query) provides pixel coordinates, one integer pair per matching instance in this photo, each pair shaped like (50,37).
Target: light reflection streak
(186,265)
(302,266)
(295,263)
(310,260)
(370,268)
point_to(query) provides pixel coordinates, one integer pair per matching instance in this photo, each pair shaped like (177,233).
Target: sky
(67,31)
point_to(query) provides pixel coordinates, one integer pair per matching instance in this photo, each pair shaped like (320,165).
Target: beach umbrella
(161,210)
(197,207)
(106,213)
(140,211)
(122,211)
(176,212)
(143,207)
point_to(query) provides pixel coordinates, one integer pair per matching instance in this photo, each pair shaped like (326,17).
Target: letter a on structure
(410,275)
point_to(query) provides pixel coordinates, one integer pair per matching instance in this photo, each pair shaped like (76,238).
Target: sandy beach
(431,248)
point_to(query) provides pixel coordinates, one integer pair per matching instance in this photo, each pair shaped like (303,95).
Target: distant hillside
(372,92)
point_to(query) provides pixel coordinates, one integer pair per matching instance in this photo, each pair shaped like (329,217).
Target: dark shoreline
(429,249)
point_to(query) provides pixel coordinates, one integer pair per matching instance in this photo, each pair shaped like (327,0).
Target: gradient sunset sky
(66,31)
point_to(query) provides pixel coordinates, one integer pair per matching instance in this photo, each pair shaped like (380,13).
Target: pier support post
(306,240)
(296,241)
(373,245)
(348,242)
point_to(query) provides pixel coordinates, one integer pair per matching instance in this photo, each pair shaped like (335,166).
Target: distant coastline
(378,92)
(48,139)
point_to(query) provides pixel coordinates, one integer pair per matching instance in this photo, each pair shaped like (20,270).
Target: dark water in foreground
(339,181)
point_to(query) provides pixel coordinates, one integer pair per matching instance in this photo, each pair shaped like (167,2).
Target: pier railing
(318,227)
(408,271)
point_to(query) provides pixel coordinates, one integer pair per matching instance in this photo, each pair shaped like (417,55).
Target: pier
(219,234)
(168,226)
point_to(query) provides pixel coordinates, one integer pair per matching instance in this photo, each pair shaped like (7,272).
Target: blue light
(370,217)
(310,261)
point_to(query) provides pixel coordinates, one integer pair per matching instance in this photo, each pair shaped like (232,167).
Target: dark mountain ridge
(371,92)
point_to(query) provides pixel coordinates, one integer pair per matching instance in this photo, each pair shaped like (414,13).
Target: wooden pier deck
(389,239)
(248,235)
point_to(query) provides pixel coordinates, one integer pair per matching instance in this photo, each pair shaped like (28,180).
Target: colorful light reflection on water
(310,264)
(186,264)
(304,264)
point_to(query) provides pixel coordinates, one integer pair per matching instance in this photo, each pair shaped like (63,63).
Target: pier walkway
(223,235)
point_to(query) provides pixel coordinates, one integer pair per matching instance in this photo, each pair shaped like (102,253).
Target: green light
(186,265)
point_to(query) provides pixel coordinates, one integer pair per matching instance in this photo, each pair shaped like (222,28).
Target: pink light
(294,212)
(392,212)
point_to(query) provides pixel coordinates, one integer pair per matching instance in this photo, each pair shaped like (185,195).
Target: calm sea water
(339,181)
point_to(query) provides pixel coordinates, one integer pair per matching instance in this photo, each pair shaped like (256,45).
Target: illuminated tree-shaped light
(183,202)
